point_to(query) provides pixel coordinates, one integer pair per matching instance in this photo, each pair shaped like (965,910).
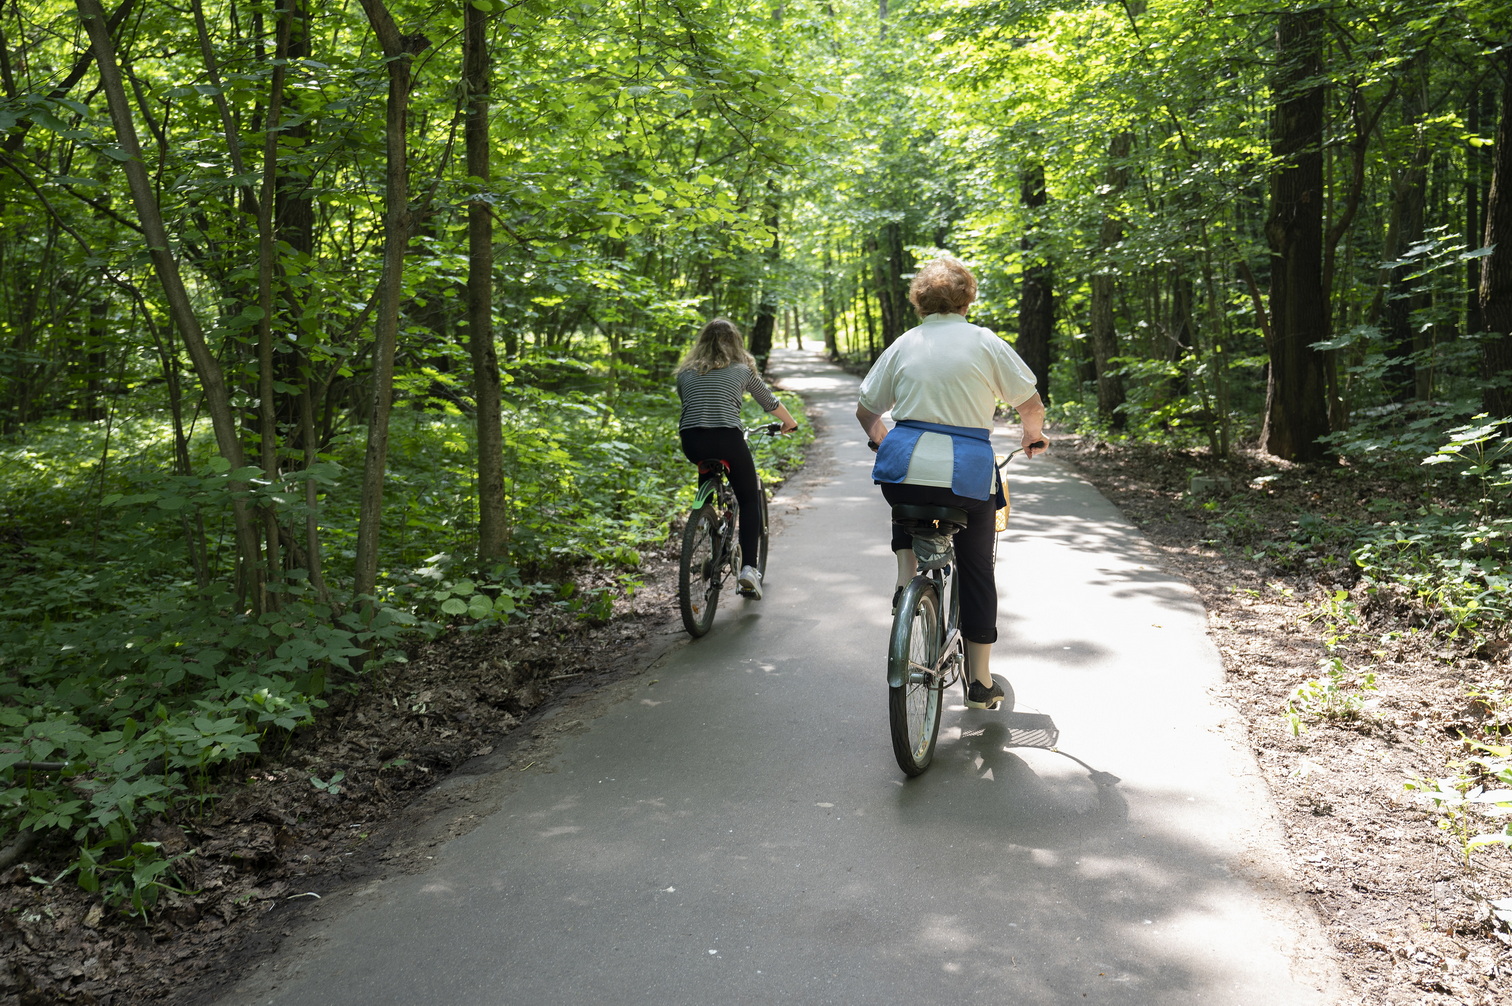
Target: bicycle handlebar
(1038,443)
(1020,450)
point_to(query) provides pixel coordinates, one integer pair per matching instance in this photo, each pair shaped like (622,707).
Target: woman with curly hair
(712,381)
(942,382)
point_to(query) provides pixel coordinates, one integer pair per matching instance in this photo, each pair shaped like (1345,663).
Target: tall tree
(1496,268)
(398,50)
(180,307)
(1036,327)
(1102,332)
(493,523)
(1296,410)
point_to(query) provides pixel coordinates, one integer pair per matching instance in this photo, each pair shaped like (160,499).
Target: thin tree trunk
(1103,334)
(493,514)
(1404,231)
(1477,175)
(212,380)
(827,304)
(397,51)
(872,349)
(267,406)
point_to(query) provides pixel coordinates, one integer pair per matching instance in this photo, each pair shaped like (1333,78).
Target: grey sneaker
(749,582)
(979,696)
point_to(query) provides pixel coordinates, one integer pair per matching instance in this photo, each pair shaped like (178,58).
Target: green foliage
(1478,794)
(1339,694)
(133,881)
(130,692)
(1457,561)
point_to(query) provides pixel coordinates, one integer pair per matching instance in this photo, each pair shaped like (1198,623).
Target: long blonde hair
(719,344)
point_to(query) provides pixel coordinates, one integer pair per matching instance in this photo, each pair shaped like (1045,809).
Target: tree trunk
(827,306)
(1477,181)
(397,52)
(493,514)
(1103,334)
(294,220)
(1037,301)
(1496,268)
(1296,409)
(892,292)
(1404,232)
(180,308)
(267,255)
(760,341)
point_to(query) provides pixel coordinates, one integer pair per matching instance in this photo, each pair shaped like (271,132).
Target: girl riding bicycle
(712,381)
(942,381)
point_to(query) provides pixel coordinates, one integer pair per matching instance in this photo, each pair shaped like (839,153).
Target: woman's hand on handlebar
(1035,445)
(788,424)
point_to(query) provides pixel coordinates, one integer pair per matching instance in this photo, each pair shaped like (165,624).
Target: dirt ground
(1411,921)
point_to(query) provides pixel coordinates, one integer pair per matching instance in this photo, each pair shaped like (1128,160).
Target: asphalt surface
(730,825)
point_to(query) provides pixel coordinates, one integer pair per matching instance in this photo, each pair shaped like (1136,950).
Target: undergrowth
(132,684)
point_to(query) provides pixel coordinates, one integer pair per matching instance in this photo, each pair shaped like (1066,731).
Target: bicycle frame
(940,577)
(941,581)
(711,542)
(926,653)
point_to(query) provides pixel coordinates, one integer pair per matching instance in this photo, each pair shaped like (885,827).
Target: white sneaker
(749,582)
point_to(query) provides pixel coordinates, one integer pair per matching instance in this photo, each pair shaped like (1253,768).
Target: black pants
(700,443)
(975,549)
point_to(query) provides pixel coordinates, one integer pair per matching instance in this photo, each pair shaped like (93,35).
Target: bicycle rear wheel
(914,706)
(698,574)
(761,546)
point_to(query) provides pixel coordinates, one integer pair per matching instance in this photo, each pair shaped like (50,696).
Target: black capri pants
(700,443)
(975,549)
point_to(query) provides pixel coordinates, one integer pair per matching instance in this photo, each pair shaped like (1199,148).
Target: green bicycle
(711,541)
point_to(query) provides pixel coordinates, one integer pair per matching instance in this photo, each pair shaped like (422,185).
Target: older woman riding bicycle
(942,381)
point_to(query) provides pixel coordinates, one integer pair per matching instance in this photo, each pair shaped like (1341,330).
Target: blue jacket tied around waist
(974,474)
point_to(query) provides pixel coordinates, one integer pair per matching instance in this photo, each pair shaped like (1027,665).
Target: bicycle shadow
(978,781)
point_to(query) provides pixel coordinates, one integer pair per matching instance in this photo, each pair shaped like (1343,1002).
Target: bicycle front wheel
(914,706)
(698,575)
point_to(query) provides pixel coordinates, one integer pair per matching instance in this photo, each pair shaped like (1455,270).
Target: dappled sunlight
(812,385)
(741,825)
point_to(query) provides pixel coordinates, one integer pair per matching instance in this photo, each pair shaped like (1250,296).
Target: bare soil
(1410,919)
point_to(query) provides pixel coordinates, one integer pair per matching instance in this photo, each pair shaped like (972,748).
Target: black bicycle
(926,653)
(711,541)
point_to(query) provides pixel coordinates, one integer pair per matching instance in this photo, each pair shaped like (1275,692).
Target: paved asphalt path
(730,826)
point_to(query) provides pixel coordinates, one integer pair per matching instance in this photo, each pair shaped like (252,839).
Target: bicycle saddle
(709,466)
(921,517)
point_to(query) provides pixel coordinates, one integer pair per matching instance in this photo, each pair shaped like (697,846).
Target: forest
(327,328)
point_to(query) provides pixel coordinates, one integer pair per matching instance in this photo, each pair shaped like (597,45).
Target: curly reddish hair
(942,286)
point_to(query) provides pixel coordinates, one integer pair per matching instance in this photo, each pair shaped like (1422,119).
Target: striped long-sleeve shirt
(713,399)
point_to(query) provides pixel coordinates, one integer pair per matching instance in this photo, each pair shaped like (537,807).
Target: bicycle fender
(897,648)
(705,494)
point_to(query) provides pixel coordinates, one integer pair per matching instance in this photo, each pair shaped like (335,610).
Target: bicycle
(926,653)
(711,541)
